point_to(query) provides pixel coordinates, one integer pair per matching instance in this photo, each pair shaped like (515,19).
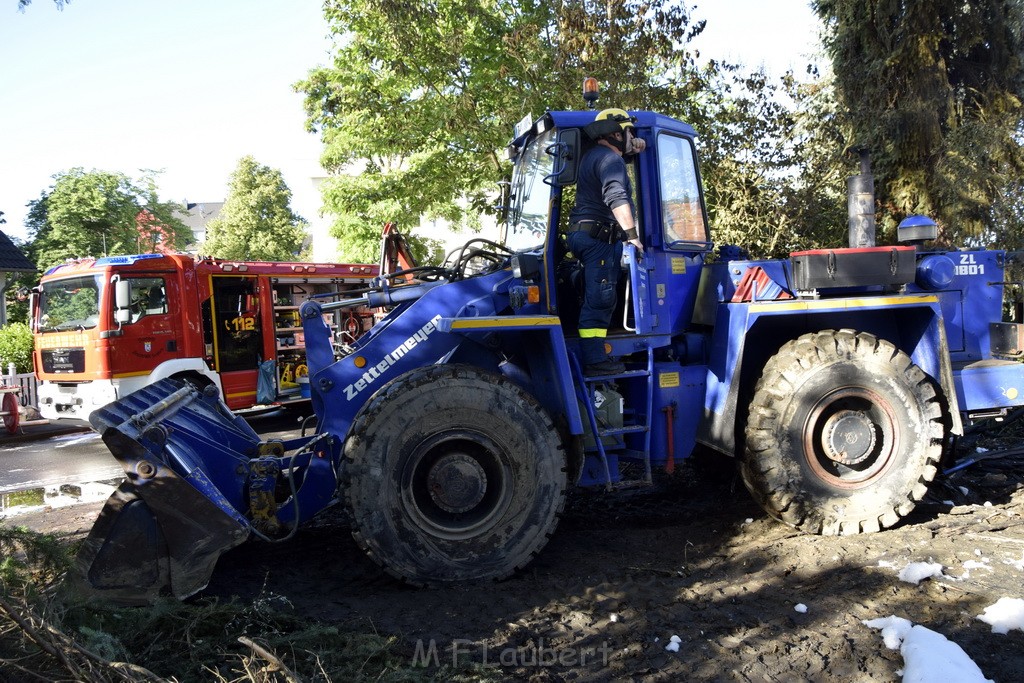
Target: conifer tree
(934,90)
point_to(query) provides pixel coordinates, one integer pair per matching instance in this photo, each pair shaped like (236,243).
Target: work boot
(605,367)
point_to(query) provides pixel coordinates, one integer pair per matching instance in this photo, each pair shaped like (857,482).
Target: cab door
(663,286)
(153,334)
(237,336)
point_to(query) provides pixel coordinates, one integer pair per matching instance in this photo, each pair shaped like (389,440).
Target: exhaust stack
(860,203)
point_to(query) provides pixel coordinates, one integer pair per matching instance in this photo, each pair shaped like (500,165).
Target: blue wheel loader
(451,430)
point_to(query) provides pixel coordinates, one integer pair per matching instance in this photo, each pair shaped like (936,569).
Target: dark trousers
(601,268)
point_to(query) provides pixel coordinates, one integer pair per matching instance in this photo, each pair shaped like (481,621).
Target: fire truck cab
(106,327)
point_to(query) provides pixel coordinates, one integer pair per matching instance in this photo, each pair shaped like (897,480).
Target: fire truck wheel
(453,474)
(844,434)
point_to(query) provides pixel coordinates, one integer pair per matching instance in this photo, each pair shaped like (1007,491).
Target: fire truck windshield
(70,304)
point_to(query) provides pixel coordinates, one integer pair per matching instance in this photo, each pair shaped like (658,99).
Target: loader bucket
(161,532)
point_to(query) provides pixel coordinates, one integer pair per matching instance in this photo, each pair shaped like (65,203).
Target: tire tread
(772,477)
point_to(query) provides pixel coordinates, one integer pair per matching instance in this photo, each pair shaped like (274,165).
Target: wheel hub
(848,437)
(457,483)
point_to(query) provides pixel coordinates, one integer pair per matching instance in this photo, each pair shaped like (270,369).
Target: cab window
(530,195)
(70,304)
(148,297)
(681,212)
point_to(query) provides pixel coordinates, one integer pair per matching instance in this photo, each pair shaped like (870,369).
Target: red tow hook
(670,418)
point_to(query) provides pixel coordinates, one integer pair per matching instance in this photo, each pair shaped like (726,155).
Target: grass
(46,635)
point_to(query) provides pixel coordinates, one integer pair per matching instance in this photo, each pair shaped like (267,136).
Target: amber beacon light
(591,91)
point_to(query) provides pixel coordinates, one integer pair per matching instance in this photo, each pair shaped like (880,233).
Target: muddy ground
(694,558)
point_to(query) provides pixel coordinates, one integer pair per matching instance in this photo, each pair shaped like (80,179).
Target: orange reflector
(533,294)
(359,362)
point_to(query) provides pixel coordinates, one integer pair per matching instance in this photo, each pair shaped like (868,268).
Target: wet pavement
(32,498)
(36,430)
(54,464)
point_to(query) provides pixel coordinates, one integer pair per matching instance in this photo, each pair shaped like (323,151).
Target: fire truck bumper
(74,399)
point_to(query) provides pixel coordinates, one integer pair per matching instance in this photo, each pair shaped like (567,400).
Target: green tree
(773,172)
(36,222)
(15,309)
(256,222)
(95,213)
(418,104)
(18,286)
(1008,217)
(934,90)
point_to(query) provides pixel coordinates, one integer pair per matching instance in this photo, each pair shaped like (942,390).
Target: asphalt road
(77,459)
(68,459)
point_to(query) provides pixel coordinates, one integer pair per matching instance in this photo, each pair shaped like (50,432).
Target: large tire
(453,474)
(844,434)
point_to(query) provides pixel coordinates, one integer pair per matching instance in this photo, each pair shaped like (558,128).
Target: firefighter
(601,220)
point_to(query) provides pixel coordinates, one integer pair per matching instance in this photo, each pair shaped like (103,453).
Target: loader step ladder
(638,385)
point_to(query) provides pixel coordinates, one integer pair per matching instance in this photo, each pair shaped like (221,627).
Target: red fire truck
(106,327)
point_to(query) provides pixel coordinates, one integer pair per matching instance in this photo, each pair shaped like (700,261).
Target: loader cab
(657,298)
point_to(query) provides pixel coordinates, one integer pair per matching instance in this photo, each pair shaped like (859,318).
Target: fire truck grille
(63,360)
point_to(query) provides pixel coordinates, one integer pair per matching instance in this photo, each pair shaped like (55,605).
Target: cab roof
(579,119)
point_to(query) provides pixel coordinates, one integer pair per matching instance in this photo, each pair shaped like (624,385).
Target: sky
(188,87)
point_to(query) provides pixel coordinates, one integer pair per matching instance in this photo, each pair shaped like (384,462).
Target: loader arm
(409,337)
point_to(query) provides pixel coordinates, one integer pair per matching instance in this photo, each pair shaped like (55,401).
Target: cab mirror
(33,311)
(566,152)
(122,302)
(122,294)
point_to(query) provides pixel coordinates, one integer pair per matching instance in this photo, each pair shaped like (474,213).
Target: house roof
(197,214)
(11,258)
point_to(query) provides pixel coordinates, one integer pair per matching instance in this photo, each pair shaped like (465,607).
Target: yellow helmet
(609,121)
(619,116)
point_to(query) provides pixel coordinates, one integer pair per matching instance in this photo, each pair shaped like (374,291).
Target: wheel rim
(850,437)
(456,484)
